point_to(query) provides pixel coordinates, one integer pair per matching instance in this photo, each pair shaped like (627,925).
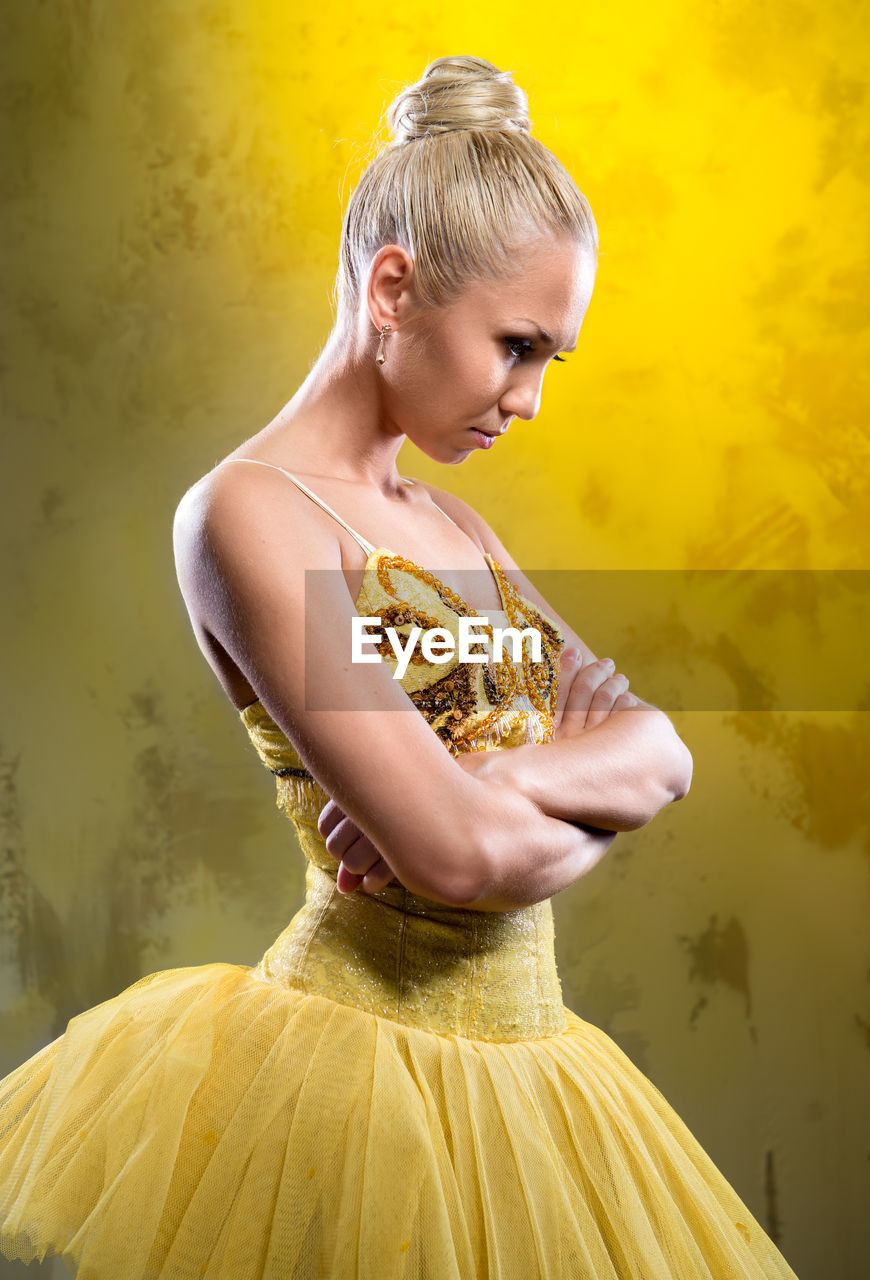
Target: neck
(337,424)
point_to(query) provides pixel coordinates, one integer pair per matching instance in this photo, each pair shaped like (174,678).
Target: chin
(447,457)
(459,456)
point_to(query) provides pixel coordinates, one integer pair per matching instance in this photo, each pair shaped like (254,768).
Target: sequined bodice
(487,975)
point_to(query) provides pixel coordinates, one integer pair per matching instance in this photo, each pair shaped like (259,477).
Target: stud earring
(381,356)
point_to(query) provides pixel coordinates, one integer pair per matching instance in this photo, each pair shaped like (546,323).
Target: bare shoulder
(210,515)
(219,499)
(476,526)
(237,519)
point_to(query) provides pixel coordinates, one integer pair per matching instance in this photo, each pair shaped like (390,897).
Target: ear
(389,295)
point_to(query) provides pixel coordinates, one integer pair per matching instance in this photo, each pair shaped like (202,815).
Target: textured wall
(173,178)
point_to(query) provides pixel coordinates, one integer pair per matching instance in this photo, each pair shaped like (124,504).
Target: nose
(522,399)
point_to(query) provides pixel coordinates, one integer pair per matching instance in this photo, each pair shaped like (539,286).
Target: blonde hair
(461,181)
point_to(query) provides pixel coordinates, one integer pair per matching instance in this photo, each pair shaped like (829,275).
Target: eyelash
(525,347)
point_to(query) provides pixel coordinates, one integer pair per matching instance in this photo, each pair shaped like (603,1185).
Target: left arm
(616,775)
(613,775)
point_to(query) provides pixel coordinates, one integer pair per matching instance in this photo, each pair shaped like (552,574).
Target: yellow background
(174,177)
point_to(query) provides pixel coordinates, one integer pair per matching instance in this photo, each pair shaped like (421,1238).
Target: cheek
(448,372)
(466,372)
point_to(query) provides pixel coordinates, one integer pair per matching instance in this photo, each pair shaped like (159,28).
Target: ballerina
(396,1089)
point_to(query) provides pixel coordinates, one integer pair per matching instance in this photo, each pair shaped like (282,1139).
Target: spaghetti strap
(367,546)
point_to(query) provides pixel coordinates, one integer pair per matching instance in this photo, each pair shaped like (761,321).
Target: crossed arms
(495,830)
(615,762)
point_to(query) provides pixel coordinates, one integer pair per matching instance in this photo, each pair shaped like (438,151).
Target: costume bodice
(482,974)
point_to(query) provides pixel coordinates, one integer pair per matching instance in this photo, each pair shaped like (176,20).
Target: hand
(588,694)
(361,864)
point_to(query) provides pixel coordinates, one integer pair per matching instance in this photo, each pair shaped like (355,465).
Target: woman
(396,1090)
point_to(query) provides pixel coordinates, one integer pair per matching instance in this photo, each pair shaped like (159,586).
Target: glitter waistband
(481,974)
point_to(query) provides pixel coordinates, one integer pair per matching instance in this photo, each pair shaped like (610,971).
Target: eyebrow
(542,333)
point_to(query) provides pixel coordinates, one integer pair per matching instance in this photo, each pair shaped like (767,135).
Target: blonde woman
(396,1090)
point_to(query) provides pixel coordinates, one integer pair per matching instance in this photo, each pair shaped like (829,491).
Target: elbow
(682,774)
(467,879)
(669,784)
(675,776)
(674,785)
(462,894)
(454,874)
(448,890)
(466,886)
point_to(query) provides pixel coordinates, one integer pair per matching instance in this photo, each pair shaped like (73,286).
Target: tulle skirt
(206,1122)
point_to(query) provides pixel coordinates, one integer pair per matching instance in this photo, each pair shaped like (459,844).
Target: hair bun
(458,93)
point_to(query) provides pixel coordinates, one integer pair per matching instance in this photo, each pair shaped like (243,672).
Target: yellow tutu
(209,1123)
(396,1092)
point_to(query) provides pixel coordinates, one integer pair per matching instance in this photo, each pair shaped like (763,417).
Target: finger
(360,856)
(624,701)
(329,817)
(604,698)
(378,878)
(583,689)
(342,837)
(569,665)
(345,881)
(572,722)
(370,878)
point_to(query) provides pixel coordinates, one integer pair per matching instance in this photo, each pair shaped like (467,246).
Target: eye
(518,347)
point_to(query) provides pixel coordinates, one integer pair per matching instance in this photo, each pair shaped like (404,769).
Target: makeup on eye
(519,347)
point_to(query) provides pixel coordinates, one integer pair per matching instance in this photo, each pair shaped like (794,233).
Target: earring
(381,357)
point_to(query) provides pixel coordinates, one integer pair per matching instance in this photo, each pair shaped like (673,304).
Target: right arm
(614,762)
(241,558)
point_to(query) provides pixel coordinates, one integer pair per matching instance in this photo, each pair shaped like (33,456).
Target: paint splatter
(720,954)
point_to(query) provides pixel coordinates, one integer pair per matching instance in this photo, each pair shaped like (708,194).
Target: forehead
(551,281)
